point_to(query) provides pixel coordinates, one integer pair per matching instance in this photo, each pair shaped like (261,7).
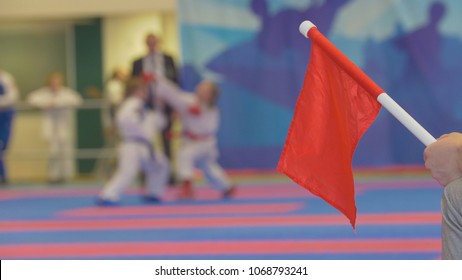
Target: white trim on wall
(33,9)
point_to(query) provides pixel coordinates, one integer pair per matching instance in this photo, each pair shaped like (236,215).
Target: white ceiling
(61,9)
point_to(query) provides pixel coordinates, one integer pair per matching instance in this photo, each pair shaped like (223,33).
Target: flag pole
(309,30)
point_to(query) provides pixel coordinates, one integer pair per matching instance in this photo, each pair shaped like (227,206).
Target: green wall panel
(30,55)
(89,78)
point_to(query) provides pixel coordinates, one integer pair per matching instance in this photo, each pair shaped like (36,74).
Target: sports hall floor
(270,218)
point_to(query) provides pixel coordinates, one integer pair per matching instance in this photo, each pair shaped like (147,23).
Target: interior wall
(30,51)
(123,37)
(27,152)
(27,9)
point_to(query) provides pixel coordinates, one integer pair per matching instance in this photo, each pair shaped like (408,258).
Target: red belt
(194,136)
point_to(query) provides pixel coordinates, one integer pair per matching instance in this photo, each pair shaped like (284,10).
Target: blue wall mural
(411,48)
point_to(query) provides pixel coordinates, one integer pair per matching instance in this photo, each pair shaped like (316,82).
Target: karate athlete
(137,126)
(200,118)
(8,98)
(58,103)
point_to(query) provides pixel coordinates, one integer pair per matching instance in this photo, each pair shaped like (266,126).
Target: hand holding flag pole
(309,30)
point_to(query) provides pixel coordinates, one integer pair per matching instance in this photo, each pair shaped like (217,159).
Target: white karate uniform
(200,151)
(137,127)
(114,93)
(58,116)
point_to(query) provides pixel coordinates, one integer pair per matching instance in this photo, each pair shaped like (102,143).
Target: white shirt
(10,96)
(135,122)
(114,92)
(57,110)
(205,124)
(154,63)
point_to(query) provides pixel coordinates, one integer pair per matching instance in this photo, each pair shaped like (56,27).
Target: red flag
(332,113)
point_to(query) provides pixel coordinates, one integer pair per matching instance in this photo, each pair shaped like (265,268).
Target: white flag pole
(405,119)
(394,108)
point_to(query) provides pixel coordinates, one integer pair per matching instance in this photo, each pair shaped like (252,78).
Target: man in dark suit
(155,62)
(158,63)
